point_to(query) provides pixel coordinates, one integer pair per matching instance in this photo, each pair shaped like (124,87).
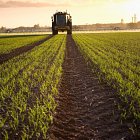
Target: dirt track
(87,108)
(20,50)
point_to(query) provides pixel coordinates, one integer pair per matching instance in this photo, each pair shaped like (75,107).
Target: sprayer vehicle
(61,21)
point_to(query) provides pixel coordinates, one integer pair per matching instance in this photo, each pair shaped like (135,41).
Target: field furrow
(116,58)
(70,87)
(87,108)
(27,96)
(9,43)
(22,49)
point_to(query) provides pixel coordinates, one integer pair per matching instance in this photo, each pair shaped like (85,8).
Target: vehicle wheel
(69,32)
(55,32)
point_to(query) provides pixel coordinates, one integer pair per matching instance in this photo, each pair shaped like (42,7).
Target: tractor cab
(61,21)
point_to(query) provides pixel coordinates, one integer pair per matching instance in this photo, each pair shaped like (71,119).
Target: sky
(14,13)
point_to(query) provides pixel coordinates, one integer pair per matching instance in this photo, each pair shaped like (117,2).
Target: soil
(20,50)
(87,108)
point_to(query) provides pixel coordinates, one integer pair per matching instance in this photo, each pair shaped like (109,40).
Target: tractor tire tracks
(87,108)
(23,49)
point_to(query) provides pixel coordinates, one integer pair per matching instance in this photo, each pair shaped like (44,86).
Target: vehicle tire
(69,32)
(54,32)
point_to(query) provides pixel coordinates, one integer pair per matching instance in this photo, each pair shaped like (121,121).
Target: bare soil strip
(87,109)
(18,51)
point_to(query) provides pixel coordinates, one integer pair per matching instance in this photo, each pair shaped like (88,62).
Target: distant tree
(98,25)
(3,29)
(36,26)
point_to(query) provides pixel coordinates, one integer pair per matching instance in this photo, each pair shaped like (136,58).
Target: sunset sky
(15,13)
